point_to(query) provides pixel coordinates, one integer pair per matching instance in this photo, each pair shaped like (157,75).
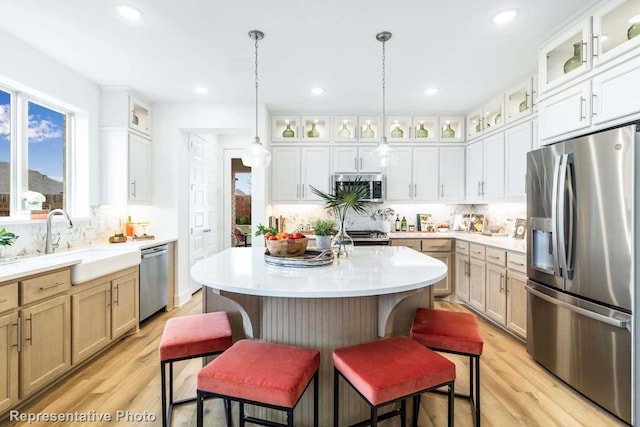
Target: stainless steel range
(369,237)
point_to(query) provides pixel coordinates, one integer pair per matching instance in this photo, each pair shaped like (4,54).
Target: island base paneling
(323,324)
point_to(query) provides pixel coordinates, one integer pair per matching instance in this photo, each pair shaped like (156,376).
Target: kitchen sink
(102,260)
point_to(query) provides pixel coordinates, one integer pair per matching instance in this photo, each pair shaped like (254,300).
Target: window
(33,153)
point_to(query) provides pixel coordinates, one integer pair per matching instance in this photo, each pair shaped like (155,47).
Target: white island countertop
(369,270)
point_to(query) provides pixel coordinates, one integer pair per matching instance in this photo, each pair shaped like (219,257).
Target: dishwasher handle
(154,254)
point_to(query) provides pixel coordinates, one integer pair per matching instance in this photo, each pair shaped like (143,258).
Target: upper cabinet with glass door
(566,56)
(616,27)
(316,128)
(520,100)
(425,129)
(139,116)
(398,128)
(285,128)
(452,129)
(486,119)
(370,129)
(345,128)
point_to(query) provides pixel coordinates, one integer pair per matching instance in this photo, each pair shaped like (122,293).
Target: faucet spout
(48,242)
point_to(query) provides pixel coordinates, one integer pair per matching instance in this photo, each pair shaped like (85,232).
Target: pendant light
(384,154)
(256,155)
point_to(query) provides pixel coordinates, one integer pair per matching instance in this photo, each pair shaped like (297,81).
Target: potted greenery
(6,239)
(323,229)
(350,195)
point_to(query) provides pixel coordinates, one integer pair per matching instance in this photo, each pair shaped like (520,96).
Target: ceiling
(451,45)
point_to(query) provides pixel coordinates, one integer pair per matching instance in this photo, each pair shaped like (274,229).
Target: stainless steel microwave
(374,183)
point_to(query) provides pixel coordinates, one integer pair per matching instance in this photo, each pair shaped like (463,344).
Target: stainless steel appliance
(374,184)
(580,249)
(368,238)
(154,272)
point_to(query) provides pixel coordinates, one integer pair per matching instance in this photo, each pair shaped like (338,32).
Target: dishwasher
(154,272)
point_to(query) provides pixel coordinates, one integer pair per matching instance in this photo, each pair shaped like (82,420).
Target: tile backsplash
(503,214)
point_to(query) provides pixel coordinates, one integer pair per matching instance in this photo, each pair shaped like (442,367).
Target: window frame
(19,149)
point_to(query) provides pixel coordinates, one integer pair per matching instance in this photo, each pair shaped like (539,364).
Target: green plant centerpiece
(6,239)
(323,229)
(349,195)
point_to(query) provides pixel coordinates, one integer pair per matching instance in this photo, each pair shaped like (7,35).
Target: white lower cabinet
(462,270)
(517,303)
(496,303)
(295,169)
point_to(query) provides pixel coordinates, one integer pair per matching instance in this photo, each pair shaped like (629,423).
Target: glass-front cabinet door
(425,129)
(285,128)
(315,128)
(370,129)
(519,100)
(616,27)
(566,56)
(475,126)
(452,129)
(493,114)
(345,128)
(398,128)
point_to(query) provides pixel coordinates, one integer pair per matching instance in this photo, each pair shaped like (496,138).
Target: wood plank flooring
(515,391)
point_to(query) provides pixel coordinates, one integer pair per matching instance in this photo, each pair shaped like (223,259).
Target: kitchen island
(372,293)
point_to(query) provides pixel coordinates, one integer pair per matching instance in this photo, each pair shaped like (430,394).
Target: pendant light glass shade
(256,155)
(384,155)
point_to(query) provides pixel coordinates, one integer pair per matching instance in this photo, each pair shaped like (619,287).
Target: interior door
(198,221)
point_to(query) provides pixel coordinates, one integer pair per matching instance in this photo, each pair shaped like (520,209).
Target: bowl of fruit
(443,227)
(282,244)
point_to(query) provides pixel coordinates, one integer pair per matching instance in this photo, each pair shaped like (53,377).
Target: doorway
(240,203)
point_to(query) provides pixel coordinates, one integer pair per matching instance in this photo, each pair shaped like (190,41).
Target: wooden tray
(309,258)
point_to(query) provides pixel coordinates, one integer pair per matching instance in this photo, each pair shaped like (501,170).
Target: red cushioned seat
(447,330)
(187,337)
(274,374)
(391,370)
(197,334)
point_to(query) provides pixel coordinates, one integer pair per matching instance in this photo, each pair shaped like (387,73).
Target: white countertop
(42,263)
(503,242)
(369,270)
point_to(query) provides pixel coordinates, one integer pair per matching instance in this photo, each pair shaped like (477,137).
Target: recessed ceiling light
(505,16)
(317,91)
(129,12)
(634,19)
(199,89)
(431,91)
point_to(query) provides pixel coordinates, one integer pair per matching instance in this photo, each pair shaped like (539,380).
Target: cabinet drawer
(45,286)
(496,256)
(476,251)
(8,296)
(410,243)
(436,245)
(462,247)
(517,262)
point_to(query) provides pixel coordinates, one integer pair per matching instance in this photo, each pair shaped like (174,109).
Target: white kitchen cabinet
(428,124)
(610,30)
(566,111)
(462,277)
(477,271)
(399,128)
(574,45)
(125,146)
(612,96)
(348,159)
(517,303)
(485,169)
(294,169)
(496,301)
(452,129)
(520,100)
(370,128)
(486,118)
(139,168)
(451,174)
(315,128)
(345,128)
(285,128)
(518,141)
(414,176)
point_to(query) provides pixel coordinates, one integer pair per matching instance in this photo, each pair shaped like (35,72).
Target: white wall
(171,123)
(31,71)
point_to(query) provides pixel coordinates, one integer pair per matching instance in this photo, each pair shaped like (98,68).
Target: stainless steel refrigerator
(580,250)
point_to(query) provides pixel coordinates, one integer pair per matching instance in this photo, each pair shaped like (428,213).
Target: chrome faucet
(49,246)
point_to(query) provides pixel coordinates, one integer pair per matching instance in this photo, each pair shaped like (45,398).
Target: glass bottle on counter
(129,227)
(398,222)
(403,224)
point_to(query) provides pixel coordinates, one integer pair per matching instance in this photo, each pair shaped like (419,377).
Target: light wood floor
(515,391)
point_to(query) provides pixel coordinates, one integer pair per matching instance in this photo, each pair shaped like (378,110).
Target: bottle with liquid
(398,222)
(403,224)
(129,227)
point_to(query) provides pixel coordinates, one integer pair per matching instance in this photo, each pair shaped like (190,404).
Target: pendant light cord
(384,121)
(256,74)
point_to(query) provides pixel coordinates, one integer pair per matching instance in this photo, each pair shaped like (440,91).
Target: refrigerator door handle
(560,213)
(554,219)
(622,324)
(569,258)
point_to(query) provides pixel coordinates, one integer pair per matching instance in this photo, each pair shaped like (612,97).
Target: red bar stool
(390,370)
(262,374)
(456,333)
(187,337)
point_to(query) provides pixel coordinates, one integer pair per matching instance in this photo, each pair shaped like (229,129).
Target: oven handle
(622,324)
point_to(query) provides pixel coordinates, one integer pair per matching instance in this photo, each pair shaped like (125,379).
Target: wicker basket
(287,248)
